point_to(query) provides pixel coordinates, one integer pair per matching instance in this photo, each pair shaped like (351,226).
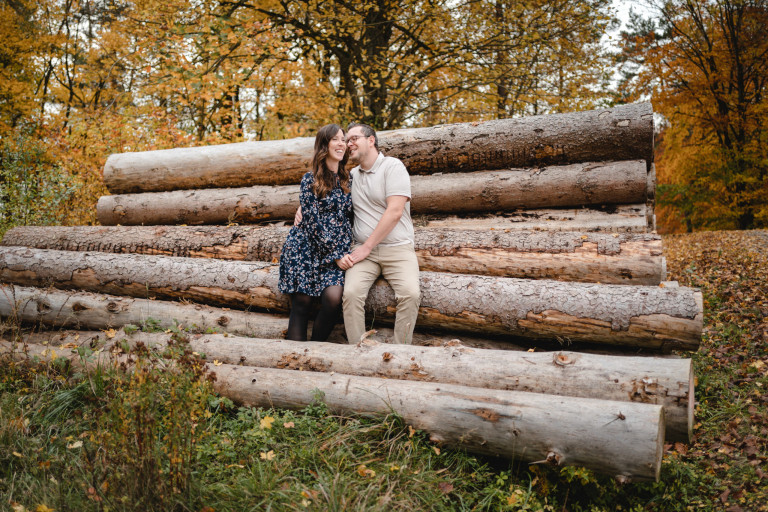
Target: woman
(308,263)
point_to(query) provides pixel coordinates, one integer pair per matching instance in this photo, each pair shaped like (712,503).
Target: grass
(68,439)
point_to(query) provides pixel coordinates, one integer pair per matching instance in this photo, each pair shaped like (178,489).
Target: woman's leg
(330,309)
(301,307)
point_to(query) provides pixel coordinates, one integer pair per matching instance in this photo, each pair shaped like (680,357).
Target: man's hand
(345,262)
(359,254)
(297,217)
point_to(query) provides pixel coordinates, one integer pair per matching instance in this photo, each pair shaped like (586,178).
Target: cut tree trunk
(622,439)
(611,218)
(572,185)
(564,256)
(642,316)
(85,310)
(663,381)
(620,133)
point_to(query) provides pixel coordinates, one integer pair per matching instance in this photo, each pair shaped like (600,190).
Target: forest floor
(68,440)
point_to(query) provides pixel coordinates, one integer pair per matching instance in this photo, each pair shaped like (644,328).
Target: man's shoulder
(392,163)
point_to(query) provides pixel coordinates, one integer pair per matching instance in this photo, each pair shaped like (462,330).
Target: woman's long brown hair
(325,179)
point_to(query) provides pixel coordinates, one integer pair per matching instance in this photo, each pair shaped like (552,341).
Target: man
(383,236)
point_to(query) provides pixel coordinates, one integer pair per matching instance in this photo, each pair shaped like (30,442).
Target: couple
(355,225)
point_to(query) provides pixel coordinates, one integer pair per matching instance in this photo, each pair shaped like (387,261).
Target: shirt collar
(376,164)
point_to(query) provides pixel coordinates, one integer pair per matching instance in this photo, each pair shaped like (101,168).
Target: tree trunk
(611,218)
(621,133)
(84,310)
(622,439)
(572,185)
(568,256)
(663,381)
(643,316)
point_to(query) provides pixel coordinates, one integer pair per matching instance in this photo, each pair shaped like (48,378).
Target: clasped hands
(348,260)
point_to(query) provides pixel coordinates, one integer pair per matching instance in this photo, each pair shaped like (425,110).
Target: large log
(84,310)
(643,316)
(572,185)
(622,439)
(620,133)
(664,381)
(611,218)
(565,256)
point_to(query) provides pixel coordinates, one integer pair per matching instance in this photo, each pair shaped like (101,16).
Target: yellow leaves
(17,454)
(110,333)
(216,362)
(288,424)
(270,455)
(365,472)
(266,422)
(43,508)
(75,445)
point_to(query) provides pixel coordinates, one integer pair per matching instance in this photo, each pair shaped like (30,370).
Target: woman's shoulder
(308,177)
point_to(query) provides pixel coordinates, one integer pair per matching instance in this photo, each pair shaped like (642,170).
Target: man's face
(359,145)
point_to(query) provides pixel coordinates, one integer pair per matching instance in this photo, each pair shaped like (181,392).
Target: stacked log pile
(551,242)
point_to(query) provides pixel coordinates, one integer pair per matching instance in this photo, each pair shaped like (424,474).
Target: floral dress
(308,260)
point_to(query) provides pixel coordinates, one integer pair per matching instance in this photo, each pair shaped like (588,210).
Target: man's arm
(388,221)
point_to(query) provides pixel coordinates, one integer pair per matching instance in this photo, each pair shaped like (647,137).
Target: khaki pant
(399,266)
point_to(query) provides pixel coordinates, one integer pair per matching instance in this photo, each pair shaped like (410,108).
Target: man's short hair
(367,131)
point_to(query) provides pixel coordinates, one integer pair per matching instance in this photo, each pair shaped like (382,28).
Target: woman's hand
(345,262)
(297,217)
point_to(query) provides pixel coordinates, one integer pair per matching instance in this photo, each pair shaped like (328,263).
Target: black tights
(325,321)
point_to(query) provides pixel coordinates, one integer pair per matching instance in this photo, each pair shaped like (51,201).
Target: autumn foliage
(706,65)
(86,79)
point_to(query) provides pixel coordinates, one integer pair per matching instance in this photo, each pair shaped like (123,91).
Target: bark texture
(664,381)
(643,316)
(565,256)
(85,310)
(610,218)
(622,439)
(583,184)
(620,133)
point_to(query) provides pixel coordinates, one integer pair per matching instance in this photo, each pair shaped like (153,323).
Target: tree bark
(642,316)
(572,185)
(664,381)
(620,133)
(85,310)
(568,256)
(622,439)
(611,218)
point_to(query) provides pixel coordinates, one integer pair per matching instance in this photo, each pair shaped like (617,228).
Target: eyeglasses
(354,138)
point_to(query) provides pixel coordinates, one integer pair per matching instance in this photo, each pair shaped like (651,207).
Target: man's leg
(400,268)
(357,282)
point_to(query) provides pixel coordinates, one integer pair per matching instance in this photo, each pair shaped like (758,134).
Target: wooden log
(611,218)
(622,439)
(642,316)
(572,185)
(84,310)
(620,133)
(664,381)
(565,256)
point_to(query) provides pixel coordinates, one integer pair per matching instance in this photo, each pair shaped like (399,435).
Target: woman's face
(337,147)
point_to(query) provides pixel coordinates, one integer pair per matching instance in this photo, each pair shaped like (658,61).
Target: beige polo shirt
(370,190)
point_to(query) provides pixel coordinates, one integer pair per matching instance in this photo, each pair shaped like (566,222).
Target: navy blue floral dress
(308,261)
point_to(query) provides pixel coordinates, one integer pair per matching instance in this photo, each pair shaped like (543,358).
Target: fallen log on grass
(550,187)
(623,439)
(643,316)
(565,256)
(663,381)
(52,308)
(620,133)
